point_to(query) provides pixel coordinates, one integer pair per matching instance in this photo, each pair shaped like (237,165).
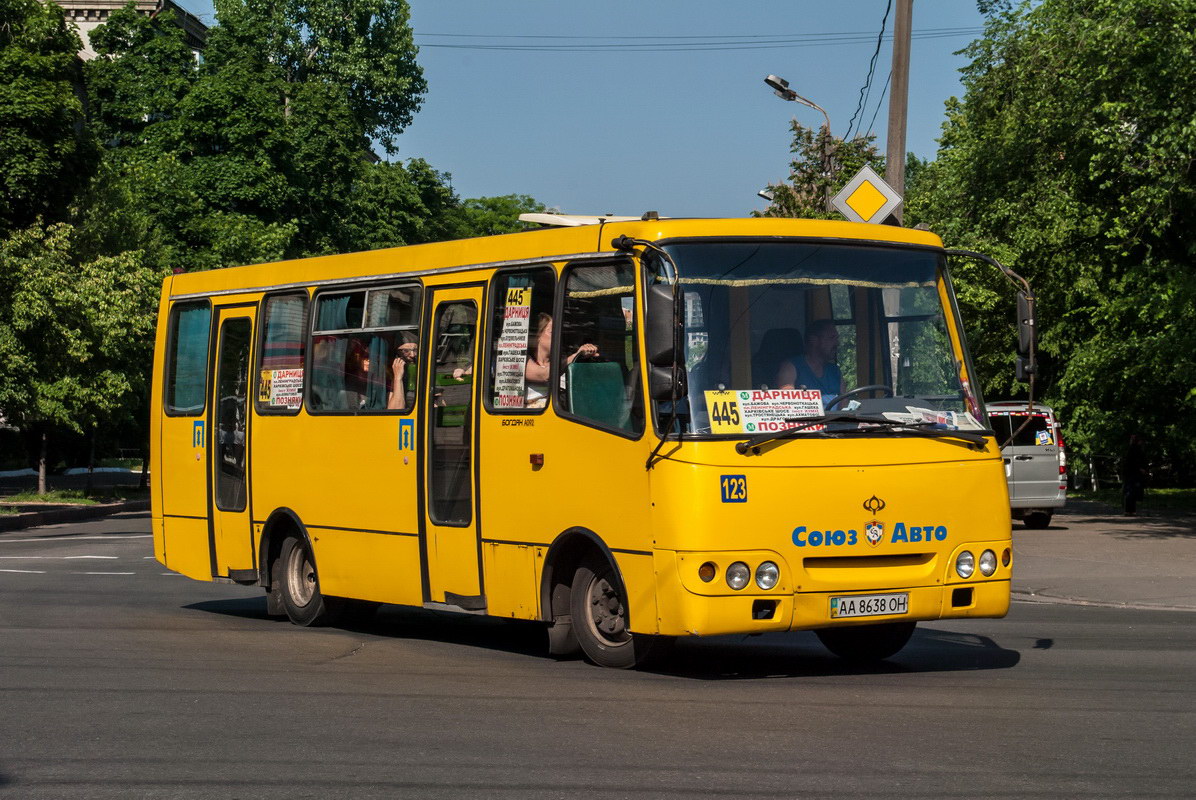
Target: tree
(822,165)
(262,152)
(72,334)
(45,152)
(1071,157)
(490,216)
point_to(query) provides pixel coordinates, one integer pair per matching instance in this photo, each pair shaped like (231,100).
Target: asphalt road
(120,680)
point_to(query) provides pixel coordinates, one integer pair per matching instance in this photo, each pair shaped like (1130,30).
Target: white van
(1035,463)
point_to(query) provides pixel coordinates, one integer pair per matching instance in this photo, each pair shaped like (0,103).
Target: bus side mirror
(1025,324)
(661,333)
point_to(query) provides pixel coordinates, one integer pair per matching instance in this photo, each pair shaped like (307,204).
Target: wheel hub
(607,615)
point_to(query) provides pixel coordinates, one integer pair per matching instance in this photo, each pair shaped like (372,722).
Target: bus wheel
(599,613)
(300,588)
(863,643)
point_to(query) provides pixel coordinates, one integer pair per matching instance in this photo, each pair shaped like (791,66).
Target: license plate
(869,605)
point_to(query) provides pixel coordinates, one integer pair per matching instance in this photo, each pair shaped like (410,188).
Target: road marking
(29,571)
(103,573)
(54,558)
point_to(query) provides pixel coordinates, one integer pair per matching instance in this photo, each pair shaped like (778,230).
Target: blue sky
(591,128)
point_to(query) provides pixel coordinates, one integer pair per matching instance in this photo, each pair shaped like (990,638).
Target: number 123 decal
(733,488)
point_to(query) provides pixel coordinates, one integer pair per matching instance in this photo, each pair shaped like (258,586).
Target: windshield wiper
(916,428)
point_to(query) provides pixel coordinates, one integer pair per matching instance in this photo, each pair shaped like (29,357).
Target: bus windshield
(776,331)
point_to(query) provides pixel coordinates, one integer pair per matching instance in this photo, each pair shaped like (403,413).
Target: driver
(817,368)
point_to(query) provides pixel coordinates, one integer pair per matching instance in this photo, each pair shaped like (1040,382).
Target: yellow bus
(629,430)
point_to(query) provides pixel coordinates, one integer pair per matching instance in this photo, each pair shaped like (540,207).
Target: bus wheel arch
(565,555)
(289,572)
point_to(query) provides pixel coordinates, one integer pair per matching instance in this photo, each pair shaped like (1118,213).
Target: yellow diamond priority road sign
(866,198)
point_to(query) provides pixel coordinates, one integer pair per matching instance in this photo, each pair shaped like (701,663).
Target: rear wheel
(300,586)
(1037,521)
(864,643)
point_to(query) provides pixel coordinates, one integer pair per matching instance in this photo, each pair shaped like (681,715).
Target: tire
(598,607)
(300,586)
(867,643)
(1037,521)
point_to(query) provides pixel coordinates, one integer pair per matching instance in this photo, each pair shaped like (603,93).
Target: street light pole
(898,101)
(780,88)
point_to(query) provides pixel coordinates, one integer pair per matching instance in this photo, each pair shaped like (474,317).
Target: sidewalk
(1092,555)
(55,514)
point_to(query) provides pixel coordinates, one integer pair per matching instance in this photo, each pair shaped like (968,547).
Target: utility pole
(898,101)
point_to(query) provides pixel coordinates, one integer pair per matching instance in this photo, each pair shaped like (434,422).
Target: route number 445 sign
(761,410)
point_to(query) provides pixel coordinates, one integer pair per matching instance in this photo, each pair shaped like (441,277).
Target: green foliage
(74,335)
(821,166)
(45,153)
(490,216)
(1070,158)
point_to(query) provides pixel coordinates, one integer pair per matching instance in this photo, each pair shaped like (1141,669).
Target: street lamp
(780,88)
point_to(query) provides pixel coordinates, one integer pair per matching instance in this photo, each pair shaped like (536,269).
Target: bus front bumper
(682,612)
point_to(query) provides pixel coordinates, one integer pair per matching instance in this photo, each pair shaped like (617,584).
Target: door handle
(1023,458)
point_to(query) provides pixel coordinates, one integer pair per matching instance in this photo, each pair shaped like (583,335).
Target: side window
(598,358)
(187,354)
(280,364)
(364,348)
(521,339)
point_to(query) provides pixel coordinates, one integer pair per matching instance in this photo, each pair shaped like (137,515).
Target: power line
(867,87)
(580,44)
(880,102)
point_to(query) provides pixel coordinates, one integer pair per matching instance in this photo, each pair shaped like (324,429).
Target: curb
(34,519)
(1048,599)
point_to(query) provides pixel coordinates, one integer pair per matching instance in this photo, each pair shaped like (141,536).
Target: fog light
(988,562)
(707,571)
(767,575)
(965,564)
(1006,556)
(738,575)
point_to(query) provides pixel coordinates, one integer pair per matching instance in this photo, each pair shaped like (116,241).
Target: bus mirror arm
(1026,365)
(662,334)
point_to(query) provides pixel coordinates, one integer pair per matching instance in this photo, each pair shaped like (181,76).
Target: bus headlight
(988,562)
(965,564)
(738,575)
(767,575)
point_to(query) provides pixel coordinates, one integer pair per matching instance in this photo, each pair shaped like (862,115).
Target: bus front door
(231,531)
(451,549)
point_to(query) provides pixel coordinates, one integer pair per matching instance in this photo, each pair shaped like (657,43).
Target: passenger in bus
(403,370)
(539,365)
(817,368)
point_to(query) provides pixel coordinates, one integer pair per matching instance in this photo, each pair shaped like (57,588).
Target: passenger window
(187,374)
(280,368)
(521,339)
(365,345)
(598,359)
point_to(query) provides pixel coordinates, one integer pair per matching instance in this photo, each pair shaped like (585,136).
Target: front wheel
(300,589)
(864,643)
(598,608)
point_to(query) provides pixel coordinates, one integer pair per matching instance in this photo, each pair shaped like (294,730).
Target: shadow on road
(799,654)
(402,622)
(773,655)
